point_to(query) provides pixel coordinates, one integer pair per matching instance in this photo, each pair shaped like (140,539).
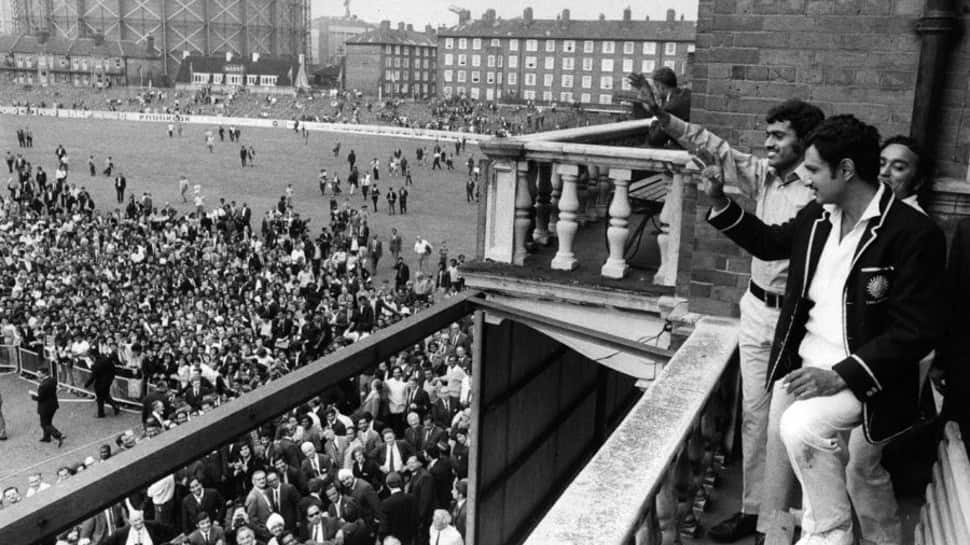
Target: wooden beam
(34,521)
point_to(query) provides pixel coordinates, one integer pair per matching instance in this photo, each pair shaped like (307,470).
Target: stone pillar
(543,208)
(556,182)
(671,218)
(500,197)
(602,187)
(523,207)
(582,197)
(566,227)
(617,233)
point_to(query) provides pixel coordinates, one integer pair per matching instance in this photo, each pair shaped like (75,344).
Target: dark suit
(444,477)
(364,318)
(379,454)
(459,517)
(400,517)
(328,525)
(216,533)
(678,104)
(443,415)
(324,463)
(289,500)
(421,486)
(357,533)
(46,407)
(892,301)
(367,501)
(419,401)
(335,510)
(195,399)
(98,529)
(212,503)
(952,351)
(102,376)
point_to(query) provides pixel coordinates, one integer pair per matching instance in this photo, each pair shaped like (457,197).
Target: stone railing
(544,188)
(650,480)
(945,517)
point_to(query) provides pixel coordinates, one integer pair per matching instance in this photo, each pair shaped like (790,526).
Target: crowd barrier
(70,376)
(945,517)
(380,130)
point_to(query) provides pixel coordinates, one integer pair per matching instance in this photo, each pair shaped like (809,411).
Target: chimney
(527,16)
(150,45)
(627,14)
(602,17)
(648,18)
(464,16)
(428,29)
(410,27)
(228,56)
(565,17)
(490,16)
(671,15)
(681,17)
(385,25)
(255,56)
(400,26)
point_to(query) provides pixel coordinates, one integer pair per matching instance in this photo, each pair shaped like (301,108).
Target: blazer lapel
(816,242)
(874,224)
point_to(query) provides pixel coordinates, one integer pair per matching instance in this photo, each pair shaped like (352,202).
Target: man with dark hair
(862,308)
(901,166)
(774,184)
(672,99)
(47,405)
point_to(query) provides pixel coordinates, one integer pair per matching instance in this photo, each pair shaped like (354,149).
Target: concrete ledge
(606,502)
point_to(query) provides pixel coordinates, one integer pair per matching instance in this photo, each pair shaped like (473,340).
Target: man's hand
(809,382)
(647,95)
(712,183)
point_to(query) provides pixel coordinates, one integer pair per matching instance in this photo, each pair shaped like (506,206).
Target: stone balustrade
(545,188)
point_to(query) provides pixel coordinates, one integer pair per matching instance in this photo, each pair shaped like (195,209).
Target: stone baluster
(523,209)
(556,182)
(669,239)
(603,187)
(582,197)
(541,234)
(617,233)
(665,503)
(567,225)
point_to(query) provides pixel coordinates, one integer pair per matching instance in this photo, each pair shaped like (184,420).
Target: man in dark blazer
(201,500)
(443,474)
(196,391)
(364,495)
(290,475)
(47,405)
(102,377)
(950,368)
(318,527)
(400,512)
(418,399)
(206,533)
(459,511)
(862,306)
(421,485)
(673,100)
(392,454)
(444,409)
(284,498)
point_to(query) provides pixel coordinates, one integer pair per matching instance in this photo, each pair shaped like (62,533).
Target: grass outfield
(153,162)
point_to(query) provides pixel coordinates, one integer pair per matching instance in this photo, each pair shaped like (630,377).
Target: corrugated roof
(667,31)
(385,36)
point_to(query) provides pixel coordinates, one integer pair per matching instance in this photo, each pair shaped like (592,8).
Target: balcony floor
(726,500)
(591,252)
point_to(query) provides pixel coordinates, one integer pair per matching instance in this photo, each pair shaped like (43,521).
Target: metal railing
(945,517)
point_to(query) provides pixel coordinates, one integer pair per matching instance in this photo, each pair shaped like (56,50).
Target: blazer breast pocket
(876,283)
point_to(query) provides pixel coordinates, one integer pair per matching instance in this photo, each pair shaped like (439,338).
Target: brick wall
(846,56)
(363,68)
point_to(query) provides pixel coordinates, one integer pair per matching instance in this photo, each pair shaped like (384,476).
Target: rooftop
(90,46)
(283,68)
(402,35)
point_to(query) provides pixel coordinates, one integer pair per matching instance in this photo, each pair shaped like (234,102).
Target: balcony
(583,213)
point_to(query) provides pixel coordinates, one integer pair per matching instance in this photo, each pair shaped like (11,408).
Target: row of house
(39,59)
(544,60)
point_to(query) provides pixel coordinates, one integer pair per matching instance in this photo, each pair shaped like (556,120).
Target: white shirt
(163,490)
(139,537)
(825,344)
(396,394)
(448,536)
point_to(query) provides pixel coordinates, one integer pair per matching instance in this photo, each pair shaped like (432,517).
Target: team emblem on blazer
(878,287)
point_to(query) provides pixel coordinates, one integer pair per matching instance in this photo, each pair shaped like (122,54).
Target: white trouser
(757,330)
(837,468)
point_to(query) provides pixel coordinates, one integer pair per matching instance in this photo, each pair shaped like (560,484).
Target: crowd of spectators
(201,308)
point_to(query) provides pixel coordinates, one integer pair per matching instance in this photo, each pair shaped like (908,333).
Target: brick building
(44,60)
(854,56)
(392,62)
(333,33)
(558,60)
(228,73)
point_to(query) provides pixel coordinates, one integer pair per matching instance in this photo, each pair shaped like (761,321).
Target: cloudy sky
(435,12)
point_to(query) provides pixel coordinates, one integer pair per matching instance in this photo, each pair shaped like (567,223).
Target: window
(587,64)
(234,79)
(252,79)
(500,61)
(447,90)
(498,79)
(200,77)
(547,96)
(606,65)
(566,96)
(567,81)
(462,75)
(587,82)
(476,60)
(606,99)
(513,45)
(513,61)
(513,78)
(648,66)
(397,50)
(217,79)
(690,48)
(606,82)
(460,90)
(569,46)
(585,98)
(490,77)
(462,60)
(609,46)
(567,63)
(532,45)
(670,48)
(672,64)
(529,94)
(495,42)
(627,66)
(489,94)
(491,61)
(462,43)
(550,63)
(627,48)
(625,85)
(530,63)
(397,62)
(530,79)
(474,92)
(388,49)
(588,46)
(550,46)
(448,74)
(476,43)
(449,59)
(476,76)
(547,80)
